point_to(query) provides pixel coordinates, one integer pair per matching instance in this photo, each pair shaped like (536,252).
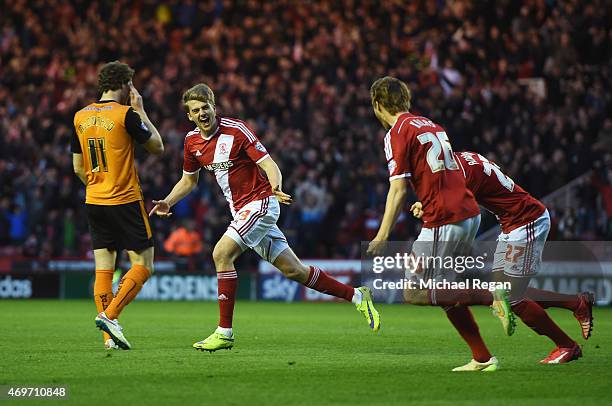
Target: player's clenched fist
(417,210)
(161,208)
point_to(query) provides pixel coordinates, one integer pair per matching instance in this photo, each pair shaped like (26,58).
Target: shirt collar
(213,135)
(401,119)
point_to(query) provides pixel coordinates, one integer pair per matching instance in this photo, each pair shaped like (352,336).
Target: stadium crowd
(521,82)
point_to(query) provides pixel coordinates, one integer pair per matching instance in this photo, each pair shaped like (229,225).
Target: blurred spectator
(605,189)
(185,242)
(17,220)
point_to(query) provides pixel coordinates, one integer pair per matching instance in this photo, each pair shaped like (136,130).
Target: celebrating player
(106,132)
(418,149)
(525,224)
(230,150)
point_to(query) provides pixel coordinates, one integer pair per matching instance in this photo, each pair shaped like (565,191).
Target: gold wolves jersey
(105,133)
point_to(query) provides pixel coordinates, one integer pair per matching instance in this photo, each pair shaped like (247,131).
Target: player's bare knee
(290,265)
(105,258)
(292,268)
(143,258)
(222,257)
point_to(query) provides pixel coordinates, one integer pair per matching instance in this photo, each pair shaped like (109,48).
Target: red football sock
(464,322)
(452,297)
(536,318)
(227,282)
(322,282)
(547,298)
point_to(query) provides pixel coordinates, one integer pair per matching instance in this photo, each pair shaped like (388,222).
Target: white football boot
(113,329)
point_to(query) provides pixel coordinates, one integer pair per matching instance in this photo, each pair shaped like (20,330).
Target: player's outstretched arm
(155,144)
(182,188)
(398,191)
(79,168)
(275,178)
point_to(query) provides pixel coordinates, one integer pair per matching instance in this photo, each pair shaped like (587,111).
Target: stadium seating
(517,83)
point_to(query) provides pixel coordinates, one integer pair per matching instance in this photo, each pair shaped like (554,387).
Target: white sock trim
(357,296)
(226,331)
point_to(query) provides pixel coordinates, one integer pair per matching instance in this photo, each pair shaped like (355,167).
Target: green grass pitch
(285,354)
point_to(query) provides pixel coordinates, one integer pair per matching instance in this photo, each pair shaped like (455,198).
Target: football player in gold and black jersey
(103,158)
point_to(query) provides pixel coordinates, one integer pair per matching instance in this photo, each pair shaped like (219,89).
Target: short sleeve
(396,152)
(75,145)
(190,163)
(136,127)
(252,146)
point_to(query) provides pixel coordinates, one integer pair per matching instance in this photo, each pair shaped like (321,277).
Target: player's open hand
(161,208)
(135,98)
(417,210)
(376,247)
(281,196)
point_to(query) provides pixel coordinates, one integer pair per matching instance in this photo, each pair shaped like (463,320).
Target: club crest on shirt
(223,148)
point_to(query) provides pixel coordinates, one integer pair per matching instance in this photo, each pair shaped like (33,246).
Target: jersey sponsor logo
(218,166)
(259,146)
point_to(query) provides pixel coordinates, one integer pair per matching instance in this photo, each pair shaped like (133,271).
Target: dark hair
(392,94)
(200,92)
(114,75)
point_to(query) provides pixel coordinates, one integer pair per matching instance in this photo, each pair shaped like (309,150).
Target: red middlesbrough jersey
(232,154)
(496,192)
(418,148)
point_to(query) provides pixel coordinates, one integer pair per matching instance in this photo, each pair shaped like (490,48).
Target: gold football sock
(103,291)
(129,287)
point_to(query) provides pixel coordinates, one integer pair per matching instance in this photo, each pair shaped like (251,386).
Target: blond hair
(392,94)
(200,92)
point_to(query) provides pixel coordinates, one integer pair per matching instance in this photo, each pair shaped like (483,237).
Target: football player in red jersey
(417,149)
(231,151)
(525,224)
